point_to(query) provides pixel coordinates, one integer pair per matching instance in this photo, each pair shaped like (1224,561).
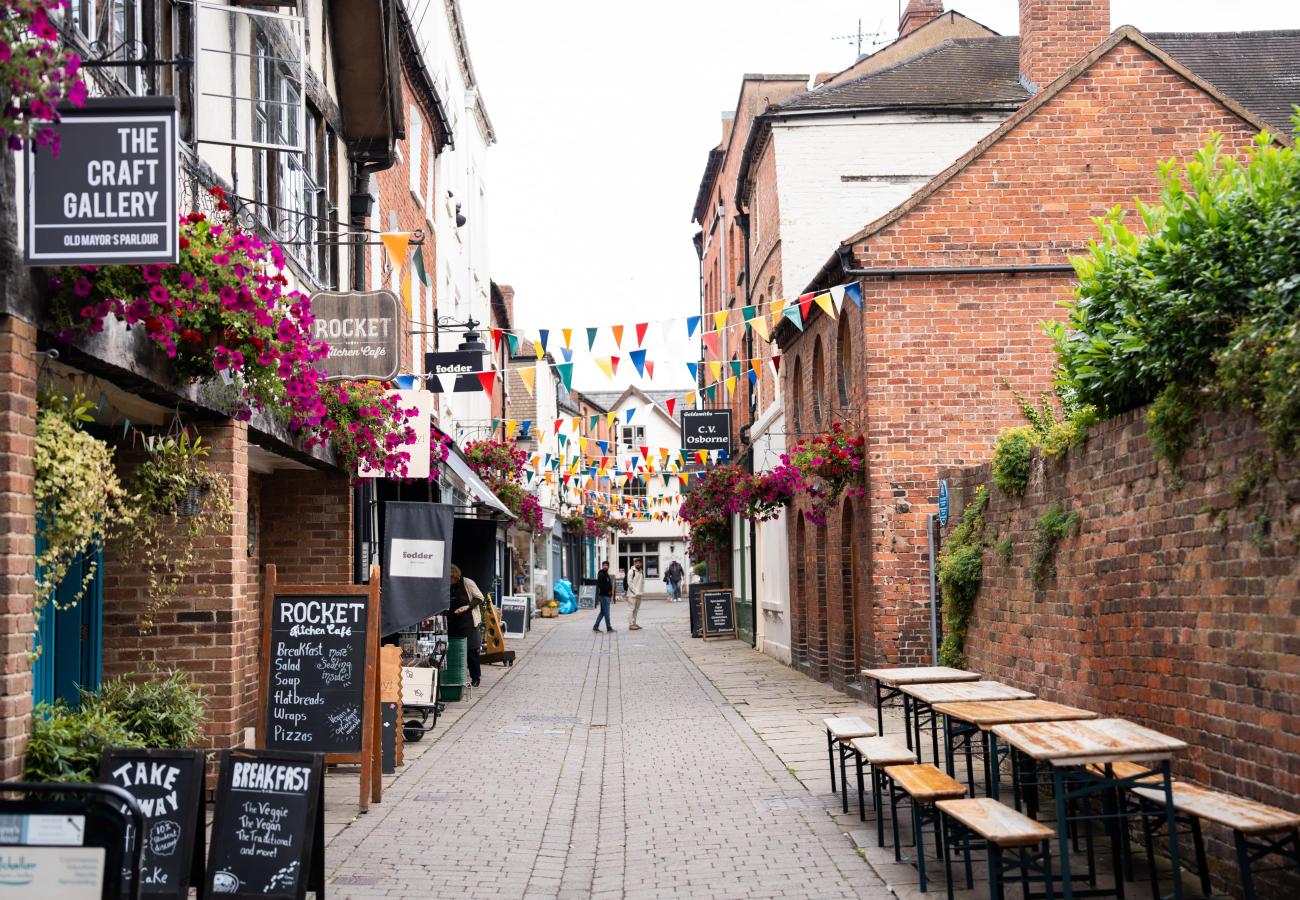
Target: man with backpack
(673,578)
(635,588)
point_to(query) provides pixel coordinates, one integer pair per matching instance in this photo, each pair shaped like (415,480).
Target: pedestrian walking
(635,588)
(463,619)
(604,596)
(673,578)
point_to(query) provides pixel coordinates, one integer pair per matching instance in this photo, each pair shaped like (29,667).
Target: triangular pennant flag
(396,242)
(539,350)
(563,439)
(694,370)
(711,341)
(591,338)
(610,418)
(602,363)
(731,386)
(544,334)
(711,393)
(853,291)
(670,404)
(512,341)
(759,324)
(640,332)
(568,337)
(792,313)
(645,453)
(748,312)
(776,363)
(406,294)
(735,367)
(638,360)
(528,375)
(604,451)
(777,306)
(716,368)
(702,456)
(663,456)
(486,379)
(559,423)
(617,331)
(565,371)
(630,413)
(650,368)
(692,323)
(613,364)
(805,305)
(825,302)
(511,427)
(496,338)
(837,296)
(447,382)
(567,354)
(523,431)
(753,376)
(593,422)
(720,319)
(418,262)
(690,398)
(686,478)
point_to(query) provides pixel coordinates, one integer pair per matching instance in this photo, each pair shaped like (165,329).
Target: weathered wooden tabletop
(1089,741)
(1246,816)
(985,714)
(920,675)
(969,691)
(1000,824)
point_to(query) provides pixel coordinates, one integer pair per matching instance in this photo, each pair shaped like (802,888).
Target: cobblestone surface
(604,766)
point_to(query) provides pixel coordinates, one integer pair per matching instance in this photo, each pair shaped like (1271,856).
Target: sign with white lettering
(706,429)
(363,331)
(68,873)
(417,562)
(168,785)
(718,614)
(319,691)
(267,838)
(110,194)
(461,363)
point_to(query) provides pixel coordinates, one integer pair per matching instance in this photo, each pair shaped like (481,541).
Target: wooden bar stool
(924,786)
(839,731)
(1001,829)
(878,753)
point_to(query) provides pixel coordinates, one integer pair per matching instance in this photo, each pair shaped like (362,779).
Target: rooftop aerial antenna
(871,37)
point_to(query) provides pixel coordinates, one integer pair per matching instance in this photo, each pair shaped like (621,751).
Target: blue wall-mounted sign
(943,503)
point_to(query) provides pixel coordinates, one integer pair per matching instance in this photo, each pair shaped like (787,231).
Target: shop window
(646,551)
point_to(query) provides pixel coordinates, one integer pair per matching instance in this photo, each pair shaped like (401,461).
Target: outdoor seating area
(1079,788)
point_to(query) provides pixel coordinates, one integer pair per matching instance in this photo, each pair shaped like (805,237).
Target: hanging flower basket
(191,502)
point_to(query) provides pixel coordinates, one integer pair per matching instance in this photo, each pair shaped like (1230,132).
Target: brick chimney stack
(917,13)
(1055,34)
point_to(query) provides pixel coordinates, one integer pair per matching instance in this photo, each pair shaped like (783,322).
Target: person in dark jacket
(465,598)
(604,595)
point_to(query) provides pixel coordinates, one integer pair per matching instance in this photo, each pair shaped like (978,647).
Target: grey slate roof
(959,73)
(1258,69)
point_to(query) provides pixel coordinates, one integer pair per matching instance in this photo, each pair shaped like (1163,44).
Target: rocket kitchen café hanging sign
(363,331)
(110,194)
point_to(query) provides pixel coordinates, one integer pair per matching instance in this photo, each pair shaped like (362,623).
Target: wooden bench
(839,731)
(924,785)
(1258,830)
(878,753)
(1000,828)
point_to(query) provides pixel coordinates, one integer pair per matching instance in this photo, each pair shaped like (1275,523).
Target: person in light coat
(635,588)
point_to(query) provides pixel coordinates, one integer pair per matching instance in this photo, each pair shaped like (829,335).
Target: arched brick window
(844,359)
(796,397)
(818,386)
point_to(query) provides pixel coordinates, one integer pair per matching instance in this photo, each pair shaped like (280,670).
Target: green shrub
(1012,456)
(1170,420)
(1003,550)
(1206,302)
(66,744)
(1053,527)
(961,571)
(165,712)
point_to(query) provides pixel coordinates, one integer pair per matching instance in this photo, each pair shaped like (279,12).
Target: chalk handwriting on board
(225,883)
(164,836)
(284,878)
(345,721)
(335,669)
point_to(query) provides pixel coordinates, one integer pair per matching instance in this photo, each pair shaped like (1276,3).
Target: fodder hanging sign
(110,194)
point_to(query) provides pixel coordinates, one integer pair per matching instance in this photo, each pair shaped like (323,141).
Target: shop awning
(474,485)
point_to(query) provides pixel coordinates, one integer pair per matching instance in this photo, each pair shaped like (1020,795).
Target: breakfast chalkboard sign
(320,651)
(719,614)
(267,838)
(168,786)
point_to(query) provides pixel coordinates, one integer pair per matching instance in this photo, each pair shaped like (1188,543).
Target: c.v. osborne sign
(363,331)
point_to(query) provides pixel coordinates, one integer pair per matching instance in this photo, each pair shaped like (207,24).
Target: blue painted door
(69,637)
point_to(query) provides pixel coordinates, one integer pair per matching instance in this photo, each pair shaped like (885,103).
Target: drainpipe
(931,519)
(742,219)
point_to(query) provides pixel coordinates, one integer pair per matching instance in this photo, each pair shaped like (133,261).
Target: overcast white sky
(605,113)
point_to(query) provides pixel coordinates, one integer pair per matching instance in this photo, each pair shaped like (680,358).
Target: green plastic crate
(453,673)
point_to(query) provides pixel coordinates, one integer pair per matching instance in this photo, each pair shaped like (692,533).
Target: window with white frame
(632,436)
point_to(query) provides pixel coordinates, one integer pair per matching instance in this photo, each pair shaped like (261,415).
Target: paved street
(612,766)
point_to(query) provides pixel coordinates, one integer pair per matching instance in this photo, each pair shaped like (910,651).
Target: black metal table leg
(830,755)
(862,790)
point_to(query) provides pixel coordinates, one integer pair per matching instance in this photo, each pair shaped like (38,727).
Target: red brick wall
(1055,34)
(17,536)
(934,353)
(1173,607)
(306,526)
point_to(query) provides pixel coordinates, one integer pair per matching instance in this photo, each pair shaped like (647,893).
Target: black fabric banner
(416,563)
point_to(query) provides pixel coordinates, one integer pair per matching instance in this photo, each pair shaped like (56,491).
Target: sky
(605,113)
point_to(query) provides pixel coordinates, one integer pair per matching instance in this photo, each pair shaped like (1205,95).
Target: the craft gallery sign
(110,194)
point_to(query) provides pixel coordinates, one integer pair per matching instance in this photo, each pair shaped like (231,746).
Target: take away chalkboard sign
(718,614)
(320,684)
(267,831)
(168,786)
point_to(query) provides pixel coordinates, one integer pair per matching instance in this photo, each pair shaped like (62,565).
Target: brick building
(955,282)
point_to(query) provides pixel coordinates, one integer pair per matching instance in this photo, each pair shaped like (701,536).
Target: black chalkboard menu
(168,785)
(693,592)
(267,838)
(719,614)
(316,697)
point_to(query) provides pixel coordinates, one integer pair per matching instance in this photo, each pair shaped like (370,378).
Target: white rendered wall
(772,550)
(819,208)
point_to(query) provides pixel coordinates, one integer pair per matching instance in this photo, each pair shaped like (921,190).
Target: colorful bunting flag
(528,375)
(487,380)
(638,360)
(711,341)
(603,363)
(617,331)
(824,301)
(692,323)
(565,371)
(640,332)
(568,337)
(396,242)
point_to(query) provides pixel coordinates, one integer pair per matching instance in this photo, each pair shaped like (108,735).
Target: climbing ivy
(1054,526)
(961,569)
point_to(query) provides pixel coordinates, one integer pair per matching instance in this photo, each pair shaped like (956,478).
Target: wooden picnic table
(924,696)
(966,721)
(1081,755)
(889,682)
